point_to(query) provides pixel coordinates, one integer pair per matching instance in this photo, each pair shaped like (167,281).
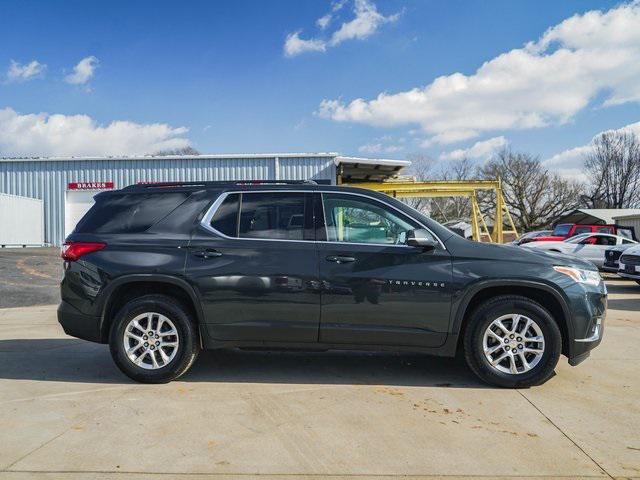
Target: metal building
(67,185)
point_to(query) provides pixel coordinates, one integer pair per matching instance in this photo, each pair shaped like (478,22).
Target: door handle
(207,253)
(340,259)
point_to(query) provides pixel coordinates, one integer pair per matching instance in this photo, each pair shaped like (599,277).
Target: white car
(588,246)
(629,266)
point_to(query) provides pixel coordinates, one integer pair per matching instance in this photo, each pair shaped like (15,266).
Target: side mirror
(421,238)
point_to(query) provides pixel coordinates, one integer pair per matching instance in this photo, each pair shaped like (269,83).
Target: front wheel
(153,339)
(512,341)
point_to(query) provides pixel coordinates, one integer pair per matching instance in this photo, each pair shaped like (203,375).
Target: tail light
(72,251)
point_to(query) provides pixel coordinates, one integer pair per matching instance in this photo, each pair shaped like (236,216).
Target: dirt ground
(29,276)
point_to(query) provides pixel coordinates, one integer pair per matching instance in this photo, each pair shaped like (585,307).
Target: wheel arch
(127,287)
(546,295)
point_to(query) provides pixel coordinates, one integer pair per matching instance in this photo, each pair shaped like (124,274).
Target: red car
(566,230)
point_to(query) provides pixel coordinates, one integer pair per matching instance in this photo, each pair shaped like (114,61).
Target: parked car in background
(588,246)
(612,257)
(630,264)
(531,236)
(568,230)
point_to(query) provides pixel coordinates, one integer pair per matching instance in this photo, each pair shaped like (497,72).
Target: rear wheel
(512,341)
(153,339)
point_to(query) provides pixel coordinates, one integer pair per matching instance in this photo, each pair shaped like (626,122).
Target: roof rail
(142,185)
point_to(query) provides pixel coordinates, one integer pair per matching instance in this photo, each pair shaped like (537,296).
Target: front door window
(352,220)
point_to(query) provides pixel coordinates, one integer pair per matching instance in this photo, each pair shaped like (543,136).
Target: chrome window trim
(208,216)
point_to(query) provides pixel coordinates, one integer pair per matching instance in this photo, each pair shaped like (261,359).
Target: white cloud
(21,73)
(367,20)
(294,45)
(544,83)
(43,134)
(83,71)
(570,163)
(376,148)
(482,149)
(324,21)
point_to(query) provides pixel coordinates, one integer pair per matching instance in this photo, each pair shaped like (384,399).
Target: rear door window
(273,215)
(265,216)
(129,213)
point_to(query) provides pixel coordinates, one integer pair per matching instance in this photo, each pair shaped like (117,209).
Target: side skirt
(448,349)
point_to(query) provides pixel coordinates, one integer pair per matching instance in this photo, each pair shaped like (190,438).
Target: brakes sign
(90,186)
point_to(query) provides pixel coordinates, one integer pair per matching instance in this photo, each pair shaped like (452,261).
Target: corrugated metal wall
(48,179)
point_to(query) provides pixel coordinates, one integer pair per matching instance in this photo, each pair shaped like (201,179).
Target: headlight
(590,277)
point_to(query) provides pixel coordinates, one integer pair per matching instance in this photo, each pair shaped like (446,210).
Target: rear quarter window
(128,213)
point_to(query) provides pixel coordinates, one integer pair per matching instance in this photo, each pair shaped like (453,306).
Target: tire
(166,362)
(532,367)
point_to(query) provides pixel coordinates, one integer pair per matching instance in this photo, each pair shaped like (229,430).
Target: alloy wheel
(151,340)
(513,344)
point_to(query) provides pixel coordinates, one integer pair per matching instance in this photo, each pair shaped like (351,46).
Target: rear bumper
(78,324)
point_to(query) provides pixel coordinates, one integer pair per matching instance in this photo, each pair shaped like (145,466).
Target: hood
(491,251)
(634,250)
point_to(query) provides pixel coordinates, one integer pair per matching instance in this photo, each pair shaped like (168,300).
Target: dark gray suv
(161,271)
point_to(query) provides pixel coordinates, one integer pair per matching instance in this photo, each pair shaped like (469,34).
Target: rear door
(376,289)
(253,259)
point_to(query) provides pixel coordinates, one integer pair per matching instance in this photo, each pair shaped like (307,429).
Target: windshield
(562,230)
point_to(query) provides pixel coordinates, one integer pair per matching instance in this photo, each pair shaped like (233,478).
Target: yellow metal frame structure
(455,188)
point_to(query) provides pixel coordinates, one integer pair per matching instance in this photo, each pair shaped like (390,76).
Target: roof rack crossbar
(219,183)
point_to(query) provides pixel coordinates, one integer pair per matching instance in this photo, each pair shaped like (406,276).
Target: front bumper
(78,324)
(629,270)
(588,306)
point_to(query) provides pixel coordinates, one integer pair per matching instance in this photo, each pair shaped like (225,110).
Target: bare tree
(177,152)
(613,169)
(456,208)
(442,209)
(534,196)
(423,169)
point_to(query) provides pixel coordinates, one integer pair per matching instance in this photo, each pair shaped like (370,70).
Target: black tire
(490,310)
(188,344)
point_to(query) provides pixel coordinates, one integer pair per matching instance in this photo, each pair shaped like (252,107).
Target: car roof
(239,185)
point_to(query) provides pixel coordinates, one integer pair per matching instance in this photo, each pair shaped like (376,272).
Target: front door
(255,265)
(376,289)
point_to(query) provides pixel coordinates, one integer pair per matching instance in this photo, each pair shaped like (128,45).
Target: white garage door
(77,203)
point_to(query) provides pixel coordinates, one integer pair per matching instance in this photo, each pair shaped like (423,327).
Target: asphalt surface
(66,412)
(29,276)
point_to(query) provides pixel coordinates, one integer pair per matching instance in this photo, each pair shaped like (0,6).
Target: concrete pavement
(68,413)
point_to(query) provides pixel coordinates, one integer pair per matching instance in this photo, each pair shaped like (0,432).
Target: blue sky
(217,75)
